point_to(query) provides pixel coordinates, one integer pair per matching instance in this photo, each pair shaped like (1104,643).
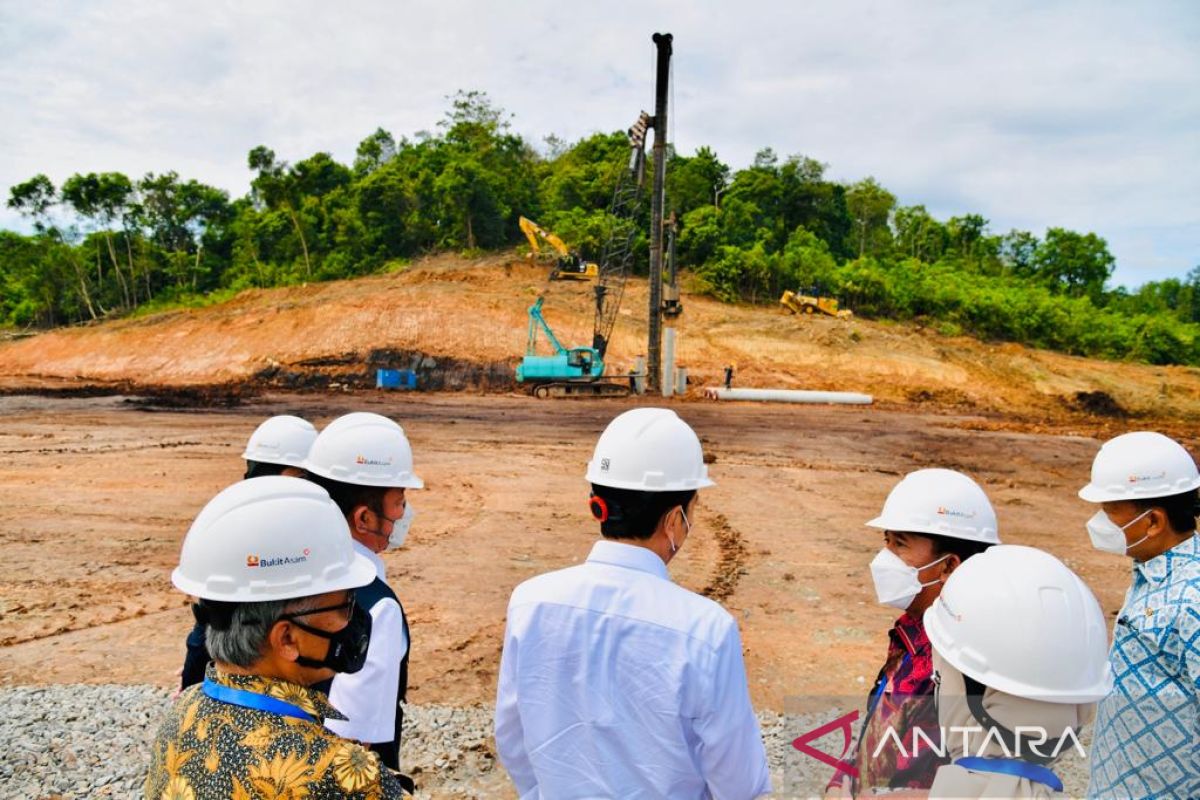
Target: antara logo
(1140,478)
(373,462)
(950,512)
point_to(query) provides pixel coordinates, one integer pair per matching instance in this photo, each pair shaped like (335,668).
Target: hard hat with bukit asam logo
(270,538)
(364,449)
(941,502)
(1138,466)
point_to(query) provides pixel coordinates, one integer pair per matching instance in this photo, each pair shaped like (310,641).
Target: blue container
(395,379)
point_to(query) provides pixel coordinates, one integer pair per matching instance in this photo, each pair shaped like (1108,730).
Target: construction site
(503,369)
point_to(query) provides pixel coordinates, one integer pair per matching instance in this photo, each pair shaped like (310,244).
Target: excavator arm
(533,232)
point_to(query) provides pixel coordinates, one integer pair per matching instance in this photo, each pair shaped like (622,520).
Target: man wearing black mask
(275,571)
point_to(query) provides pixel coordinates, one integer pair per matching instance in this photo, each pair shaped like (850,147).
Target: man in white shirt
(365,462)
(615,682)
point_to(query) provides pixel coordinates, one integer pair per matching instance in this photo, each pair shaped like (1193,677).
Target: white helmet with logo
(1139,466)
(651,450)
(364,449)
(281,440)
(940,502)
(271,538)
(1018,620)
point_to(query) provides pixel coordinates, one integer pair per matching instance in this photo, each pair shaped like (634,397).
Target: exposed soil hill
(462,323)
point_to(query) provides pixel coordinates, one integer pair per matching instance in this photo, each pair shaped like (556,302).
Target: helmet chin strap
(975,691)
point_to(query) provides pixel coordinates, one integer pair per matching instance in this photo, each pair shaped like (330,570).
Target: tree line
(105,244)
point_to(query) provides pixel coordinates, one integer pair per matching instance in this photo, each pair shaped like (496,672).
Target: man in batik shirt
(932,521)
(273,566)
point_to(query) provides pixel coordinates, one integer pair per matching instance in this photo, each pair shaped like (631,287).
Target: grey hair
(243,642)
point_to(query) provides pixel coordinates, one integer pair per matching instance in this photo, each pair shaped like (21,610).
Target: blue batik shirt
(1147,738)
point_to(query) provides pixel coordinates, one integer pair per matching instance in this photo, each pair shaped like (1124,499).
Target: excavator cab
(573,267)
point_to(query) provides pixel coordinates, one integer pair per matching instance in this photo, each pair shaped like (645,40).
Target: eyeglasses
(349,604)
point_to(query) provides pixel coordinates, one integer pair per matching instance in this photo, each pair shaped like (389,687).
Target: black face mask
(347,647)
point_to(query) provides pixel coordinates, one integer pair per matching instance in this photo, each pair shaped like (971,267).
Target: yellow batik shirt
(208,749)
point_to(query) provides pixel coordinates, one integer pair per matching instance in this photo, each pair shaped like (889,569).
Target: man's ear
(952,563)
(1158,522)
(359,518)
(282,640)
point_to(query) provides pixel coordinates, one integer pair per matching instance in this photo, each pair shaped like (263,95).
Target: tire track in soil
(731,564)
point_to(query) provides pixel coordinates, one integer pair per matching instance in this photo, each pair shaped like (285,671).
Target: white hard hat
(281,440)
(1140,465)
(1018,620)
(940,502)
(649,449)
(364,449)
(271,538)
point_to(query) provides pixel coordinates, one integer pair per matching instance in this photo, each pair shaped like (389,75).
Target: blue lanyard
(240,697)
(1012,766)
(877,695)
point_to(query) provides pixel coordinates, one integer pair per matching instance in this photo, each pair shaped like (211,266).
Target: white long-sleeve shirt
(368,697)
(615,682)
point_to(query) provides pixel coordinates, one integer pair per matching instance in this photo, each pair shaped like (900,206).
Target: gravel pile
(93,741)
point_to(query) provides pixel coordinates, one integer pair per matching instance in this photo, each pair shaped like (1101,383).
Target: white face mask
(400,527)
(1109,537)
(896,583)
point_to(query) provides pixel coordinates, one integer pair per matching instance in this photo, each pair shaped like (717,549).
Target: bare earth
(99,493)
(99,490)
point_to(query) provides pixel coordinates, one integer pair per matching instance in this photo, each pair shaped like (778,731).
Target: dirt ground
(99,493)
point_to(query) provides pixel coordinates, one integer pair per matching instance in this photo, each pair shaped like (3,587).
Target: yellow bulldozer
(807,304)
(568,266)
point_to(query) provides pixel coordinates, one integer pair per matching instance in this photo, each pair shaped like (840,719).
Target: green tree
(374,151)
(870,206)
(1078,264)
(695,181)
(104,199)
(275,186)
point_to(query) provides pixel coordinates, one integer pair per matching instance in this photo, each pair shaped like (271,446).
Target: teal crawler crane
(580,370)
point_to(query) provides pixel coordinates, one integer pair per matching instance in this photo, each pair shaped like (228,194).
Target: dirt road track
(99,492)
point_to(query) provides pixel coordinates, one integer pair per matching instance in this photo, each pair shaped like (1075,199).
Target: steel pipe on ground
(788,396)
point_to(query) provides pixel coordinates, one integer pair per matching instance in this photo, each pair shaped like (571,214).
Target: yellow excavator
(570,266)
(808,304)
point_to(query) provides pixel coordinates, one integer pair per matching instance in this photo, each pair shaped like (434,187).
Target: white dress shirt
(616,683)
(368,697)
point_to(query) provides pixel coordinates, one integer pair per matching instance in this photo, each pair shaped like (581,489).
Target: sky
(1034,114)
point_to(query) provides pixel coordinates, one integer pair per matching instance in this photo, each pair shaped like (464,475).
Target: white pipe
(668,364)
(788,396)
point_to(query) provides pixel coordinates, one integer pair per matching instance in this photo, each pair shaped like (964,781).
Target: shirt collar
(909,633)
(1157,568)
(307,699)
(380,569)
(630,556)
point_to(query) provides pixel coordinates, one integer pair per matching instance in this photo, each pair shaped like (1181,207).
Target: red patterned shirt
(902,701)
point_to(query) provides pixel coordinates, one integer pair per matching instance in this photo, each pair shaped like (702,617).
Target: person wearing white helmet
(274,572)
(277,447)
(365,462)
(1019,646)
(933,521)
(615,682)
(1147,732)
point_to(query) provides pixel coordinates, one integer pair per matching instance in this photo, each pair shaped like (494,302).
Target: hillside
(462,323)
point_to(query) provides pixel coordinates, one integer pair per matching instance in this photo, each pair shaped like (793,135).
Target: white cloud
(1064,114)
